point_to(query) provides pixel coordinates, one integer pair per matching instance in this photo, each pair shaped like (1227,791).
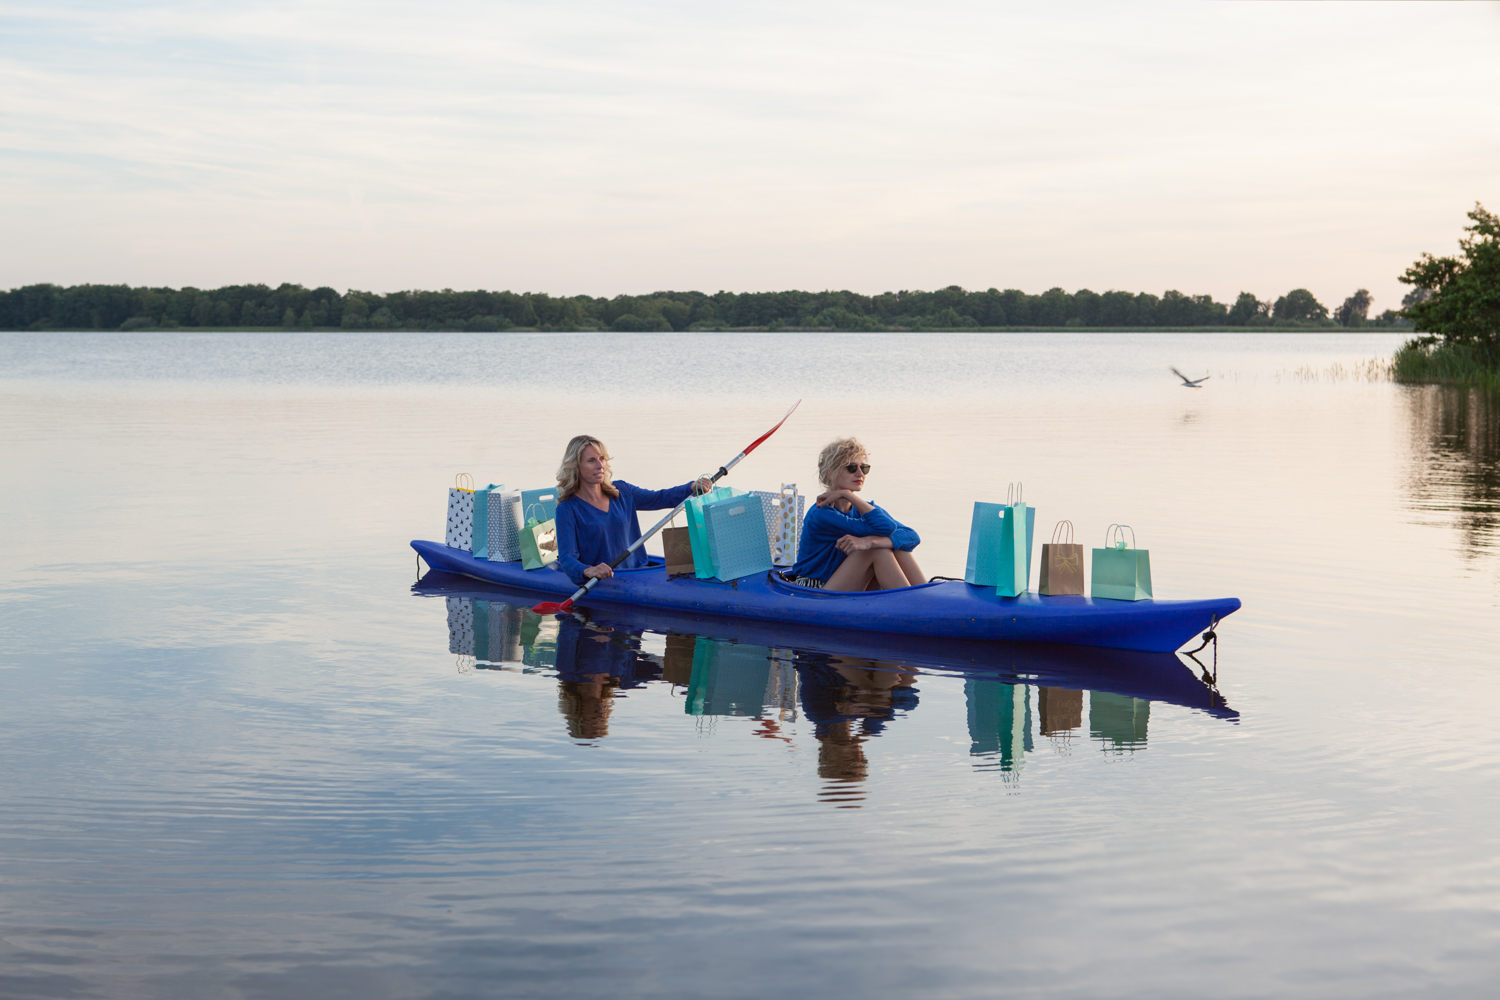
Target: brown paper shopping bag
(1062,563)
(677,547)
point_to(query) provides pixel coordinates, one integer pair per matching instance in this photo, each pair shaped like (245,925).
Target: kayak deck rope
(1211,636)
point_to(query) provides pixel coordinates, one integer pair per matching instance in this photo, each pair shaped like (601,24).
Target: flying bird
(1191,383)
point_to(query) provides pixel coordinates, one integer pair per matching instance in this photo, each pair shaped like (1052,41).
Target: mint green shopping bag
(1013,558)
(1013,569)
(703,563)
(1121,572)
(538,539)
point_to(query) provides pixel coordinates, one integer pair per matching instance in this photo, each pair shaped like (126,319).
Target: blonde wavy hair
(838,453)
(569,473)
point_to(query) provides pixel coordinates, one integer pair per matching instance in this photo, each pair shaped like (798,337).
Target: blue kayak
(948,609)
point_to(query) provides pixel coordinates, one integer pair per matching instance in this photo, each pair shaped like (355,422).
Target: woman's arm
(655,499)
(826,525)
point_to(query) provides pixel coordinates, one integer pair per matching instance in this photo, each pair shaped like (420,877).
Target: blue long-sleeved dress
(817,558)
(588,536)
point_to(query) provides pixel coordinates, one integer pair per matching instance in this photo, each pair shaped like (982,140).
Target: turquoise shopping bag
(1121,572)
(738,543)
(479,544)
(983,568)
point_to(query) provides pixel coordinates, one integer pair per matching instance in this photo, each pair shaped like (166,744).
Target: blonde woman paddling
(596,517)
(849,543)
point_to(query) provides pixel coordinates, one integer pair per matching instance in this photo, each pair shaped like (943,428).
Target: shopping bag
(1013,566)
(983,566)
(1121,572)
(480,545)
(738,545)
(538,540)
(784,511)
(703,567)
(504,526)
(677,547)
(1062,563)
(545,500)
(461,512)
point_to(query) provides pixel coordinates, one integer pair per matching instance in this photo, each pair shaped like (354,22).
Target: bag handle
(460,479)
(1057,529)
(529,515)
(1013,490)
(1114,536)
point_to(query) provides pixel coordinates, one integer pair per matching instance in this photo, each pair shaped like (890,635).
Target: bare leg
(887,571)
(914,575)
(853,573)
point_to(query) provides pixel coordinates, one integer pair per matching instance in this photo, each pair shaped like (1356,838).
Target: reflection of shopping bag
(1013,565)
(703,566)
(538,637)
(461,513)
(677,547)
(460,626)
(480,545)
(538,541)
(504,526)
(1121,573)
(784,512)
(1062,563)
(984,543)
(737,542)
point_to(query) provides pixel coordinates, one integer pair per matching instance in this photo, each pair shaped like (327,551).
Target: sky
(626,147)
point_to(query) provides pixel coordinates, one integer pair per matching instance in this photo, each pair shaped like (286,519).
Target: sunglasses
(858,467)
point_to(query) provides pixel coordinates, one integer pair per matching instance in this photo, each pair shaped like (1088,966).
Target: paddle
(549,608)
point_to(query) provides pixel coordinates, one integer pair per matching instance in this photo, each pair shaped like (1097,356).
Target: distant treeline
(120,307)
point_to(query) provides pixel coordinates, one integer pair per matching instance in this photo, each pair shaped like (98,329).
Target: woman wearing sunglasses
(849,543)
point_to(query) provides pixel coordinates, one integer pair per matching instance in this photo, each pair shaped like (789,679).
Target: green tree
(1464,307)
(1246,308)
(1356,309)
(1299,305)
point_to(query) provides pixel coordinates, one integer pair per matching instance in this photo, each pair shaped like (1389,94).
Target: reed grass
(1425,360)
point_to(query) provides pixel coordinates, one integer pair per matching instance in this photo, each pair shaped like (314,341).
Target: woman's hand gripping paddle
(549,608)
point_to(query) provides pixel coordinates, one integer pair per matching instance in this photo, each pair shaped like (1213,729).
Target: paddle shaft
(723,471)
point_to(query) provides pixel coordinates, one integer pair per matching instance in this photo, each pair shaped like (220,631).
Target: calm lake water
(244,753)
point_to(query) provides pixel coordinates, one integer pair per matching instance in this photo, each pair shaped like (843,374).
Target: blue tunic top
(588,536)
(817,559)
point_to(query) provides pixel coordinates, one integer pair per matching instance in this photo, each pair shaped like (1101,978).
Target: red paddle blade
(754,444)
(549,608)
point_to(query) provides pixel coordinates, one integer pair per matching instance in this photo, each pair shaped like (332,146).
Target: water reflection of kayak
(1148,676)
(948,609)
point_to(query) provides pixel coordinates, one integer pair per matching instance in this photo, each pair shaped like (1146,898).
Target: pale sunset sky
(601,148)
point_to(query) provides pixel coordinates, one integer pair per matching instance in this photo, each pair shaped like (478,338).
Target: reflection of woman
(596,517)
(837,694)
(847,542)
(585,704)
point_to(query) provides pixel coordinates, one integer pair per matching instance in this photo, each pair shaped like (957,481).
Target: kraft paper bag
(1121,572)
(677,548)
(1062,563)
